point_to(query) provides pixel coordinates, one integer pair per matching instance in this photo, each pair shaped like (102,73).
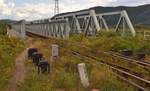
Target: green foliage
(76,37)
(9,48)
(109,41)
(112,41)
(112,84)
(65,80)
(103,78)
(65,77)
(107,34)
(36,82)
(3,28)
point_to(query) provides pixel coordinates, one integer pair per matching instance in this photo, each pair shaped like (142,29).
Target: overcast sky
(37,9)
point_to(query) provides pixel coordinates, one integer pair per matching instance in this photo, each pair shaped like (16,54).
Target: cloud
(29,11)
(38,9)
(101,2)
(6,7)
(33,11)
(129,2)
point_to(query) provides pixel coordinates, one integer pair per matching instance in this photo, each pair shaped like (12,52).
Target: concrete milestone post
(83,75)
(54,56)
(55,51)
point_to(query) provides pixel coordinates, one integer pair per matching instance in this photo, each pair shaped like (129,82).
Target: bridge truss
(85,22)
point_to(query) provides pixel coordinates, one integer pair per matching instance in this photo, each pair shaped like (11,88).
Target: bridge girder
(86,22)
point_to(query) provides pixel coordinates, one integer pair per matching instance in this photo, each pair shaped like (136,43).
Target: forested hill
(139,15)
(7,21)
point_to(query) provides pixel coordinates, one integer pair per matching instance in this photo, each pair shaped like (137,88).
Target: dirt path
(19,72)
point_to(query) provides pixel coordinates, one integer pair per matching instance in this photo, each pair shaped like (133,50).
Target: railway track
(29,34)
(114,56)
(141,62)
(117,56)
(144,64)
(122,73)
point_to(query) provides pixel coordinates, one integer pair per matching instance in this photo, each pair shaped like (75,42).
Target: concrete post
(83,74)
(55,55)
(55,50)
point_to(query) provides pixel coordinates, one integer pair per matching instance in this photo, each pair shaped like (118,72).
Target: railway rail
(123,73)
(120,72)
(116,56)
(141,62)
(30,34)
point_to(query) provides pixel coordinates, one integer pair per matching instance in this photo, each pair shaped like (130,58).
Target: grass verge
(9,49)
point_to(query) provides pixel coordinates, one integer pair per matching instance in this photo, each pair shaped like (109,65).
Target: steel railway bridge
(85,22)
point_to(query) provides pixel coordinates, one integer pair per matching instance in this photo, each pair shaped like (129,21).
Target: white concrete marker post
(55,55)
(55,50)
(83,75)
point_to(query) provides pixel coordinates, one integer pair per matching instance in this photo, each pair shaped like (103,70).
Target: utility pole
(56,9)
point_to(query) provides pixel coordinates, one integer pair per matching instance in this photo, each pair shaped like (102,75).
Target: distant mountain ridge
(139,15)
(8,21)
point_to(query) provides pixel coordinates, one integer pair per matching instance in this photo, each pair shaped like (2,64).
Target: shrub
(107,34)
(3,28)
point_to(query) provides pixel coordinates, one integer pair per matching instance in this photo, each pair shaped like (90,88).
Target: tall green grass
(9,48)
(111,41)
(65,77)
(3,28)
